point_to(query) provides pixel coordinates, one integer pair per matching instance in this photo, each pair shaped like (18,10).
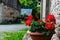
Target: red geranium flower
(30,17)
(50,26)
(39,20)
(28,22)
(48,20)
(51,18)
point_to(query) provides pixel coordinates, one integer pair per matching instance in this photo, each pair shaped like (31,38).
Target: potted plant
(40,30)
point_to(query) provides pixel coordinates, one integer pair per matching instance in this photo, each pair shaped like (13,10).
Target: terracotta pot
(39,36)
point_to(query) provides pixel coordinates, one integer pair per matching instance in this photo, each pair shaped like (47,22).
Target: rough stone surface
(9,13)
(56,36)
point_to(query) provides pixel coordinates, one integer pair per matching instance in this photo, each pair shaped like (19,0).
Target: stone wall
(1,5)
(55,7)
(9,13)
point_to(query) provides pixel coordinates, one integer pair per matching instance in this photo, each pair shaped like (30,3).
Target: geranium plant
(41,26)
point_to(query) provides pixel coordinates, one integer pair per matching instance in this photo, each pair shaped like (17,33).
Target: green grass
(14,35)
(18,35)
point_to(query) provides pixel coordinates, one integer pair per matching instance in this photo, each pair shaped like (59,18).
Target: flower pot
(39,36)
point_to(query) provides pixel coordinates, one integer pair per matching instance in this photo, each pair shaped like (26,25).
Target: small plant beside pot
(40,30)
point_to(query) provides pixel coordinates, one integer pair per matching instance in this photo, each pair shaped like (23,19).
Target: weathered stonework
(9,13)
(55,7)
(1,5)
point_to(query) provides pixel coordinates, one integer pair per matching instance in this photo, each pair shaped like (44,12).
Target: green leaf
(21,1)
(36,23)
(47,32)
(28,3)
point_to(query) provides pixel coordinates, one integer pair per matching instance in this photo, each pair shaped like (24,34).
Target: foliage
(28,3)
(22,22)
(31,4)
(38,8)
(37,27)
(40,26)
(36,12)
(24,16)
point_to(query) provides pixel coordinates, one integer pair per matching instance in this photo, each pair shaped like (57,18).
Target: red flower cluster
(39,20)
(30,17)
(50,26)
(51,18)
(29,20)
(50,22)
